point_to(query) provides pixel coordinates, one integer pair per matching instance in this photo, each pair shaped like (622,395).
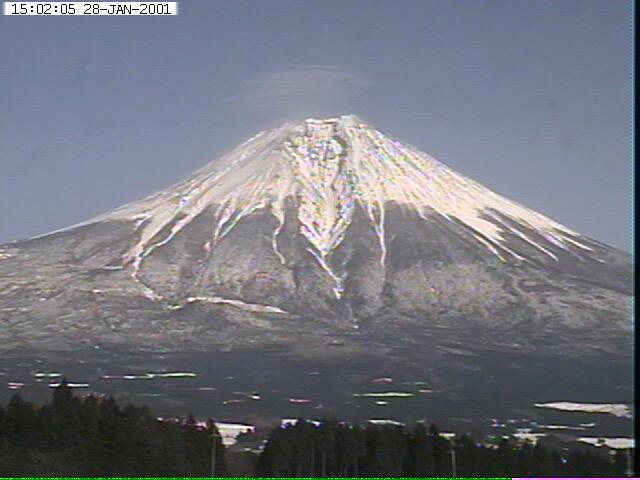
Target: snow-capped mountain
(306,263)
(327,221)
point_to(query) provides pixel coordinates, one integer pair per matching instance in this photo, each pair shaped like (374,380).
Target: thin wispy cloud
(310,90)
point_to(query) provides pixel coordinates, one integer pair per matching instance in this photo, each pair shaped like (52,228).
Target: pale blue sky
(531,98)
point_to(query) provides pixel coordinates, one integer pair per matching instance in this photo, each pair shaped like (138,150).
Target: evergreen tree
(419,459)
(20,421)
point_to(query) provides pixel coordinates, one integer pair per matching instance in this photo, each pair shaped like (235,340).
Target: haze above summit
(532,100)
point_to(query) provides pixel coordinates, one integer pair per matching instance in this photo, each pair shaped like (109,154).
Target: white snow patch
(46,375)
(382,380)
(385,421)
(230,431)
(252,307)
(385,394)
(562,427)
(290,422)
(70,385)
(148,292)
(173,374)
(528,436)
(615,443)
(149,376)
(615,409)
(138,377)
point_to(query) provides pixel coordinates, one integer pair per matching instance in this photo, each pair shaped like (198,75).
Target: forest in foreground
(95,436)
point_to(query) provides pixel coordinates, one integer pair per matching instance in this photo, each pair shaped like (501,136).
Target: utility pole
(453,459)
(629,471)
(214,438)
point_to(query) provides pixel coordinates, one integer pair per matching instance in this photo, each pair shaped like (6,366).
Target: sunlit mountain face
(309,262)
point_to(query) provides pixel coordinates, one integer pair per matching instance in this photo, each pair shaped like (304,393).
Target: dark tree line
(96,437)
(340,450)
(93,436)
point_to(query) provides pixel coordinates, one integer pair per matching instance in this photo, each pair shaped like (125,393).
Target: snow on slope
(616,409)
(613,443)
(327,166)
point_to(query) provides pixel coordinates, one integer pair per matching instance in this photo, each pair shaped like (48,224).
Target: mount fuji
(329,248)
